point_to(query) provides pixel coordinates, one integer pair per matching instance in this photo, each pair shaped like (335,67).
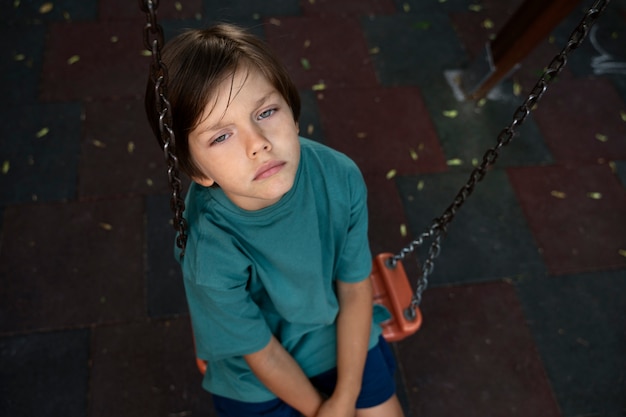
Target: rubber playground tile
(226,10)
(412,49)
(386,131)
(123,9)
(164,281)
(40,152)
(467,129)
(104,60)
(575,214)
(597,132)
(119,153)
(22,54)
(67,265)
(40,11)
(146,369)
(311,54)
(578,324)
(310,121)
(348,8)
(488,238)
(620,168)
(44,374)
(474,347)
(420,6)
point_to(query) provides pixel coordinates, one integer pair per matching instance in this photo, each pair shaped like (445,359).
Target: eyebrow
(258,103)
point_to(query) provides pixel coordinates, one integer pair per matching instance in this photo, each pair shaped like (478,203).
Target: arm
(282,375)
(353,331)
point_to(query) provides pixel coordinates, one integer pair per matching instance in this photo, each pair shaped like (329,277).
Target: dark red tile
(103,60)
(575,214)
(595,132)
(146,369)
(474,356)
(124,9)
(66,265)
(336,56)
(348,8)
(382,129)
(119,153)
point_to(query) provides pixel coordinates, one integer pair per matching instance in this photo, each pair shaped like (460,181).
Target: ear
(204,181)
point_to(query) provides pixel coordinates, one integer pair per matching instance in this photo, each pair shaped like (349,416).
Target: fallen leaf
(622,252)
(42,132)
(46,8)
(482,102)
(310,129)
(488,24)
(146,52)
(319,86)
(475,7)
(517,88)
(475,162)
(305,63)
(106,226)
(98,144)
(613,167)
(602,138)
(307,43)
(178,6)
(623,115)
(557,194)
(6,165)
(73,59)
(361,135)
(274,21)
(375,50)
(403,230)
(130,147)
(149,182)
(551,39)
(114,39)
(420,185)
(414,155)
(450,113)
(454,162)
(19,57)
(406,7)
(392,173)
(594,195)
(16,4)
(421,25)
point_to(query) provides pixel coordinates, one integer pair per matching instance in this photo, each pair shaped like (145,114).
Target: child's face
(248,146)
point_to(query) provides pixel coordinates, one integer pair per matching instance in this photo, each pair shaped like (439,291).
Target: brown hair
(197,62)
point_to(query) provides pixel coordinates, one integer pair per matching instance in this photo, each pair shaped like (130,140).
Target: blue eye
(221,138)
(266,113)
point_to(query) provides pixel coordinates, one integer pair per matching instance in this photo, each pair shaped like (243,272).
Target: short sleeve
(355,260)
(225,319)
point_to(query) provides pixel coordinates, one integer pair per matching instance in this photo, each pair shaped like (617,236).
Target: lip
(268,169)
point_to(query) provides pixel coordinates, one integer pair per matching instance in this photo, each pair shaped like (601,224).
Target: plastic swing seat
(392,291)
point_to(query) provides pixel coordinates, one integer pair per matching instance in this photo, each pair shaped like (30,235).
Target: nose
(256,143)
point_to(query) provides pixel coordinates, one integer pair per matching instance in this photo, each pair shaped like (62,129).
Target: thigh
(226,407)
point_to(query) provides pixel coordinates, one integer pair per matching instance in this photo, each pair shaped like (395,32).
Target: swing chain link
(154,41)
(439,225)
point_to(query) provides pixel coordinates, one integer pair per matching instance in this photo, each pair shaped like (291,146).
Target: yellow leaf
(19,57)
(178,6)
(475,162)
(475,7)
(403,230)
(392,173)
(46,8)
(305,63)
(623,115)
(130,147)
(488,24)
(16,3)
(309,129)
(361,135)
(613,167)
(557,194)
(73,59)
(6,165)
(149,182)
(319,86)
(406,7)
(594,195)
(98,144)
(375,50)
(454,162)
(420,185)
(106,226)
(601,137)
(307,43)
(146,52)
(414,155)
(622,252)
(42,132)
(517,88)
(114,39)
(451,113)
(482,102)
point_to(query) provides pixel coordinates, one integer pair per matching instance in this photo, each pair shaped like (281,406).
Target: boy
(277,257)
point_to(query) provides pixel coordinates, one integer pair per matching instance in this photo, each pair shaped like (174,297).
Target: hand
(334,407)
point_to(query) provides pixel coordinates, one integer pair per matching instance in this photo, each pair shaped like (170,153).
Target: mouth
(268,169)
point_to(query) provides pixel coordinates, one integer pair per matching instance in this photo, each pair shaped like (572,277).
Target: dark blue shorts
(377,387)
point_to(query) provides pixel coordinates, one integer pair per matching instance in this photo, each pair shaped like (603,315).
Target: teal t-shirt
(251,274)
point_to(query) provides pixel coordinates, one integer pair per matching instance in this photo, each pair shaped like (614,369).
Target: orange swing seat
(392,290)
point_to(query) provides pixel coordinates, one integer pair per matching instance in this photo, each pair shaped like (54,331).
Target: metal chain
(154,41)
(439,226)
